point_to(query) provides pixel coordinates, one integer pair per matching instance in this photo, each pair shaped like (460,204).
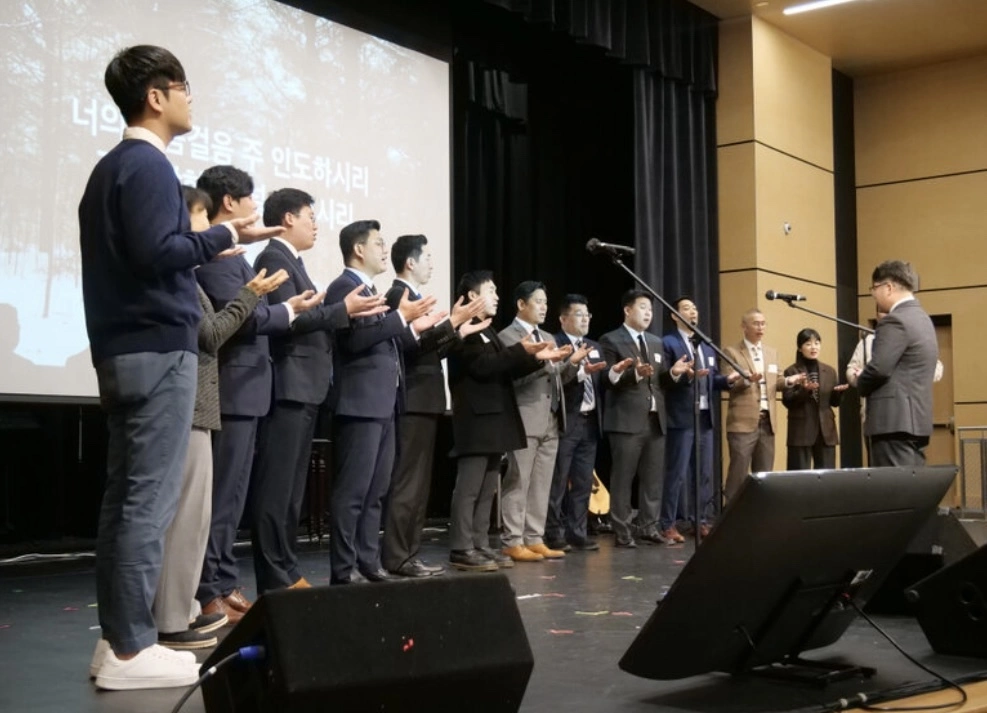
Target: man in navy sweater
(142,314)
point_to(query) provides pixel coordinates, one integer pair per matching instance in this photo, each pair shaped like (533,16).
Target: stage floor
(580,613)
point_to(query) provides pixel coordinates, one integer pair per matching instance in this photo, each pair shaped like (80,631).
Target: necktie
(589,397)
(536,335)
(643,348)
(373,290)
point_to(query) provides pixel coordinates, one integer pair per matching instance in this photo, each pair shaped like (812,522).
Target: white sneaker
(154,667)
(102,646)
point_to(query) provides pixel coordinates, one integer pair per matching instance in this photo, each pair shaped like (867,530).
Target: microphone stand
(698,338)
(844,322)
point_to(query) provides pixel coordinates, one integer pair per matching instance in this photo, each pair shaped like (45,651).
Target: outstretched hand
(248,232)
(306,300)
(262,284)
(359,305)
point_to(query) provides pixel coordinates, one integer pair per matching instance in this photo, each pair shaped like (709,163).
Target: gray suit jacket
(214,329)
(540,397)
(628,402)
(897,381)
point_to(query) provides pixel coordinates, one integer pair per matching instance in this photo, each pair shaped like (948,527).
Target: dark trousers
(277,489)
(148,399)
(472,500)
(363,449)
(407,497)
(233,456)
(818,456)
(680,473)
(897,449)
(641,454)
(572,481)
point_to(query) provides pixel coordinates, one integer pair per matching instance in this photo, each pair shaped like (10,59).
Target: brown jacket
(744,410)
(806,416)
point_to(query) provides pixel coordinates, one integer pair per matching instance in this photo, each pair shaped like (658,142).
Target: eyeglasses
(184,86)
(879,284)
(580,315)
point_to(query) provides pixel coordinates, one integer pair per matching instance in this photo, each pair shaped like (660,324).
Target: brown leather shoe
(544,551)
(520,553)
(302,583)
(219,606)
(236,600)
(672,535)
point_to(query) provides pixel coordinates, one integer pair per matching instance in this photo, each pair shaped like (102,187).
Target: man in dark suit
(634,418)
(572,481)
(486,424)
(367,393)
(302,370)
(680,442)
(897,381)
(425,401)
(244,390)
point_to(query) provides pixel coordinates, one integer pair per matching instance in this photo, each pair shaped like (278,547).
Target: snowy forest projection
(294,99)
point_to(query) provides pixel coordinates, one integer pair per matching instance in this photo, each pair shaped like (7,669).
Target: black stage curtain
(587,118)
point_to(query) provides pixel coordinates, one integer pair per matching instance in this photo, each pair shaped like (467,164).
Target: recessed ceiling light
(814,5)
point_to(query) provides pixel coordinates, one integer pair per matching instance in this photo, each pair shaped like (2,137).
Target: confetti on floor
(553,594)
(632,578)
(528,596)
(548,576)
(560,632)
(70,609)
(679,561)
(94,605)
(593,613)
(621,613)
(4,626)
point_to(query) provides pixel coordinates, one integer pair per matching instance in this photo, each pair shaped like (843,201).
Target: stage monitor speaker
(951,606)
(439,643)
(941,542)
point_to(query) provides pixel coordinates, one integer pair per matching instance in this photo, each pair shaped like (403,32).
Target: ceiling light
(814,5)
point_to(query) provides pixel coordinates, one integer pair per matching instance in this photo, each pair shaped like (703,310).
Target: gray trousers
(752,452)
(526,489)
(148,399)
(472,499)
(185,543)
(641,454)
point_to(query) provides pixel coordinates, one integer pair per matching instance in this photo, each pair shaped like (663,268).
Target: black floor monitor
(773,577)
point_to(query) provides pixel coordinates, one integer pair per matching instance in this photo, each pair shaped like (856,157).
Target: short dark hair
(354,234)
(472,282)
(134,71)
(679,300)
(283,201)
(572,299)
(631,296)
(527,288)
(196,196)
(805,335)
(221,181)
(897,271)
(405,247)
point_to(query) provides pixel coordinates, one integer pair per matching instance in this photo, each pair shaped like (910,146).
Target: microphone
(595,246)
(772,295)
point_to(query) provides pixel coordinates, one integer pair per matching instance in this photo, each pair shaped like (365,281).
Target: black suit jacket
(302,359)
(575,388)
(367,358)
(486,419)
(425,385)
(629,400)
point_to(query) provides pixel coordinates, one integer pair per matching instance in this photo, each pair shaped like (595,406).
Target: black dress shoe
(471,561)
(561,545)
(353,578)
(497,557)
(628,543)
(585,545)
(652,537)
(412,568)
(378,575)
(433,568)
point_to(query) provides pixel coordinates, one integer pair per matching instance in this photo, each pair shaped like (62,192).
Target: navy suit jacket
(574,389)
(367,359)
(245,377)
(679,396)
(302,359)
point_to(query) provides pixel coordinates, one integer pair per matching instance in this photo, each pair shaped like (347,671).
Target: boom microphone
(772,295)
(595,246)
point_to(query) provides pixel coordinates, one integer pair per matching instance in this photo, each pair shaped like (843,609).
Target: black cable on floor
(247,653)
